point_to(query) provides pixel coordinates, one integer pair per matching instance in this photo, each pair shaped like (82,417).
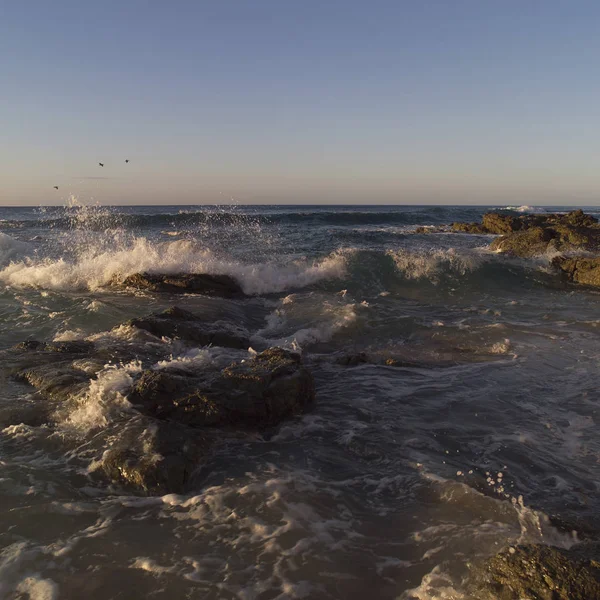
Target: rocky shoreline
(575,234)
(179,410)
(180,414)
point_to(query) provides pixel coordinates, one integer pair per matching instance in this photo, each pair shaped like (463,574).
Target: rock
(255,393)
(501,224)
(531,235)
(158,460)
(579,269)
(56,380)
(469,228)
(181,324)
(72,347)
(539,572)
(200,283)
(577,218)
(352,360)
(430,229)
(532,242)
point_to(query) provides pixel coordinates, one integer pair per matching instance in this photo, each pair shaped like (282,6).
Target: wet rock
(579,269)
(530,235)
(574,229)
(71,347)
(177,323)
(200,283)
(430,229)
(56,380)
(469,228)
(158,460)
(255,393)
(532,242)
(352,360)
(541,573)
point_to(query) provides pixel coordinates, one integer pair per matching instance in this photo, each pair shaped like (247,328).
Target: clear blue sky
(300,101)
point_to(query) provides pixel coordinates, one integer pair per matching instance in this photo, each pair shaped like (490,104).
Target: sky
(281,101)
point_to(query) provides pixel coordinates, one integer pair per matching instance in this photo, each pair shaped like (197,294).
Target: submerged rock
(196,283)
(181,324)
(158,460)
(70,347)
(579,269)
(541,573)
(255,393)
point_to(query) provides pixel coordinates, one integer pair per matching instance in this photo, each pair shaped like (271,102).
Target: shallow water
(481,435)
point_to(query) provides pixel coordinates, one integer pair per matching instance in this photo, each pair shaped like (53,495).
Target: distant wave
(100,220)
(525,209)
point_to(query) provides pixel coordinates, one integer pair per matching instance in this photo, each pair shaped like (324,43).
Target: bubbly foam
(104,397)
(430,264)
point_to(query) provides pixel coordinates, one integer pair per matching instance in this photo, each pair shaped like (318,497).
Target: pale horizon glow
(463,102)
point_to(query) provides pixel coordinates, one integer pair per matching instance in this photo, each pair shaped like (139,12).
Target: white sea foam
(37,588)
(431,264)
(323,323)
(104,397)
(525,208)
(197,357)
(97,268)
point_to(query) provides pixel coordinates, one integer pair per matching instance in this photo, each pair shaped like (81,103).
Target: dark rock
(72,347)
(579,269)
(539,572)
(352,360)
(201,283)
(57,380)
(255,393)
(181,324)
(158,460)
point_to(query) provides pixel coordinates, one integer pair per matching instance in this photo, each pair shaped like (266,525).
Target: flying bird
(101,164)
(55,187)
(126,160)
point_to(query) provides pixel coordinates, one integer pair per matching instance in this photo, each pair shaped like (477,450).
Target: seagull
(101,164)
(55,187)
(126,160)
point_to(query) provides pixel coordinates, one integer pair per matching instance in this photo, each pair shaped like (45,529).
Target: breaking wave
(11,248)
(96,269)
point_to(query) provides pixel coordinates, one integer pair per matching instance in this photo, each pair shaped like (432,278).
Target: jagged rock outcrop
(179,283)
(533,235)
(539,572)
(499,224)
(579,269)
(255,393)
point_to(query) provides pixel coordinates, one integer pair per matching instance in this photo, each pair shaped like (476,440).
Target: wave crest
(96,269)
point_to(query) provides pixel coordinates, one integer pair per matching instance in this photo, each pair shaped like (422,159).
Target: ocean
(456,405)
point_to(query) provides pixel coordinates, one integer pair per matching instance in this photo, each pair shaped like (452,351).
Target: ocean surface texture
(456,407)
